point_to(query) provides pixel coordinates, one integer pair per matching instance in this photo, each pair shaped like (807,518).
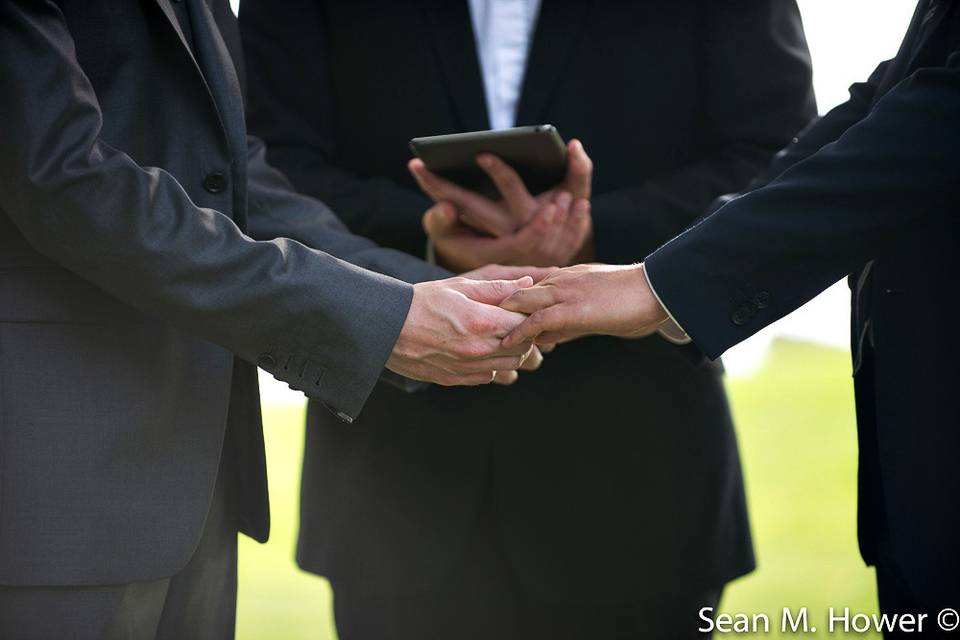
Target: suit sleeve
(324,326)
(757,94)
(766,253)
(290,107)
(276,210)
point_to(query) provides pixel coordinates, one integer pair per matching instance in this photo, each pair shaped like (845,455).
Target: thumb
(579,170)
(494,291)
(439,219)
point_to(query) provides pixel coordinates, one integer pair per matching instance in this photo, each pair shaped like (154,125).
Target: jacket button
(266,361)
(741,315)
(762,300)
(215,182)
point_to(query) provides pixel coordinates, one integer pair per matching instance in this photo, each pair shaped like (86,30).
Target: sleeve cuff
(671,329)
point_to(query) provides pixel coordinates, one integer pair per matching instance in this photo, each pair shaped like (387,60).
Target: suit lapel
(218,69)
(456,50)
(171,17)
(558,31)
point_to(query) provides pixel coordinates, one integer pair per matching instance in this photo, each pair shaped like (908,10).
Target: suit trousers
(480,600)
(198,603)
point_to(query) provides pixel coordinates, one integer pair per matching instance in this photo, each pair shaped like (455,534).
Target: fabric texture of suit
(872,189)
(616,464)
(134,295)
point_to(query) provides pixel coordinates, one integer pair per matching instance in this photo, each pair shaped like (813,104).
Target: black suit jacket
(872,190)
(130,197)
(615,466)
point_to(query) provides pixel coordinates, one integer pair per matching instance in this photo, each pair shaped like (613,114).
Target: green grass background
(796,427)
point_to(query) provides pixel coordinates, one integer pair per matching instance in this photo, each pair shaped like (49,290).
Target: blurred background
(792,397)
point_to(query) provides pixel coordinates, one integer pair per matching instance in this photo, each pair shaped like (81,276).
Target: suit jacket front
(130,197)
(872,190)
(615,465)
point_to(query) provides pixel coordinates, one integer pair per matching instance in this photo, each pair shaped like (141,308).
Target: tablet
(537,153)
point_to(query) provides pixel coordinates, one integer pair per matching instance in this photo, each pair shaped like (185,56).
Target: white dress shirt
(503,30)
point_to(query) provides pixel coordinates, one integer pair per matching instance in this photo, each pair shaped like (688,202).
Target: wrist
(650,314)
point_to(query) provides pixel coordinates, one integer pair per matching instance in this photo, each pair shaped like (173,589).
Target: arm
(298,120)
(322,325)
(765,254)
(901,159)
(756,93)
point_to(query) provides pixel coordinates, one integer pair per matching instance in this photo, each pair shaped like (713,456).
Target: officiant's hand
(517,206)
(556,236)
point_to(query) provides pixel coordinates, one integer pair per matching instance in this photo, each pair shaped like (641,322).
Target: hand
(517,206)
(453,332)
(556,236)
(586,299)
(498,272)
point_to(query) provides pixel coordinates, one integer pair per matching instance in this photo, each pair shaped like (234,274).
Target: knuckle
(479,325)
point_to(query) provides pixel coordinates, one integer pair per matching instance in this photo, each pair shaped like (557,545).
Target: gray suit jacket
(148,255)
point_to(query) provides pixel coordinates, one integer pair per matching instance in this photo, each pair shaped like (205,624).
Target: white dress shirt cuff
(671,329)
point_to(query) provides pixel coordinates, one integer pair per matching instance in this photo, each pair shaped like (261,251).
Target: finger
(531,300)
(545,347)
(423,176)
(469,380)
(496,363)
(554,241)
(561,336)
(579,170)
(580,209)
(531,240)
(504,272)
(574,234)
(533,360)
(440,219)
(493,292)
(505,378)
(510,185)
(548,319)
(481,212)
(530,234)
(442,189)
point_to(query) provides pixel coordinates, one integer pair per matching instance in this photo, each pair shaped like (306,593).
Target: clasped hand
(454,331)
